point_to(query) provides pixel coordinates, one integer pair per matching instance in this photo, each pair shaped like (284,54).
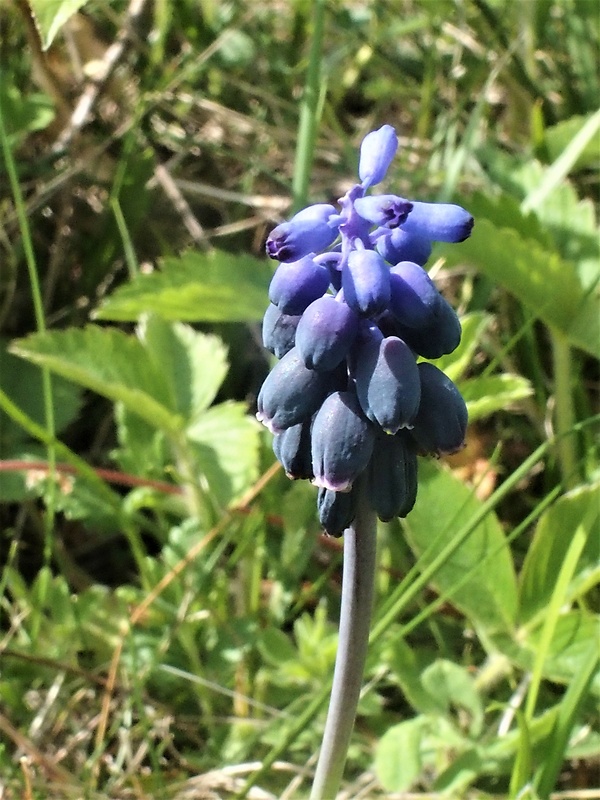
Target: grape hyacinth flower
(350,403)
(352,310)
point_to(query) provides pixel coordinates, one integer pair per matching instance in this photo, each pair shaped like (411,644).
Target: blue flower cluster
(351,311)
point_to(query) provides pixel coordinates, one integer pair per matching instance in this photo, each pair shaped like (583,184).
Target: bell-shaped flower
(326,332)
(377,152)
(336,510)
(366,282)
(310,230)
(441,422)
(279,331)
(401,245)
(292,450)
(440,222)
(292,393)
(440,337)
(392,476)
(384,209)
(414,297)
(342,441)
(387,382)
(295,285)
(331,260)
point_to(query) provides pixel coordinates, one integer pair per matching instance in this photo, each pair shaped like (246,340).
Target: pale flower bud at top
(377,151)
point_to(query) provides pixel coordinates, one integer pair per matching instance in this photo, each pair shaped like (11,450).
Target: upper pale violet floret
(309,231)
(377,151)
(440,222)
(384,209)
(402,245)
(296,284)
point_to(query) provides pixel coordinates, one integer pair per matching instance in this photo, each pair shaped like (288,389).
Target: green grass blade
(553,612)
(559,170)
(309,111)
(36,296)
(569,709)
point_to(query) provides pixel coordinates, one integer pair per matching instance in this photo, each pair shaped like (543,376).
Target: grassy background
(168,608)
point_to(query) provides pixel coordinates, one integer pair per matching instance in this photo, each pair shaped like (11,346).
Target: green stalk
(360,543)
(309,111)
(38,307)
(564,412)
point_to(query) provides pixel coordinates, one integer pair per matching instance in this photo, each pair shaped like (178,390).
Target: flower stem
(357,599)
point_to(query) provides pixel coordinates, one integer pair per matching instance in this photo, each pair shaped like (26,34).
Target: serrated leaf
(16,485)
(142,448)
(486,395)
(197,287)
(22,382)
(107,361)
(50,15)
(550,545)
(193,365)
(225,443)
(547,284)
(444,504)
(504,211)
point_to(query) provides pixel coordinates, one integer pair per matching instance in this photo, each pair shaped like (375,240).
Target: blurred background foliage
(168,605)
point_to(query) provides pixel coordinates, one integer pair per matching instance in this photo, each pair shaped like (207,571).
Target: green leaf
(142,448)
(559,170)
(569,708)
(398,761)
(550,546)
(455,364)
(543,281)
(486,395)
(23,114)
(225,443)
(569,646)
(452,686)
(521,774)
(504,211)
(23,384)
(193,364)
(557,137)
(197,287)
(50,15)
(299,540)
(109,362)
(16,485)
(408,665)
(444,505)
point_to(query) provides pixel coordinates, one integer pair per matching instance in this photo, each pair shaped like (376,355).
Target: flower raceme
(351,312)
